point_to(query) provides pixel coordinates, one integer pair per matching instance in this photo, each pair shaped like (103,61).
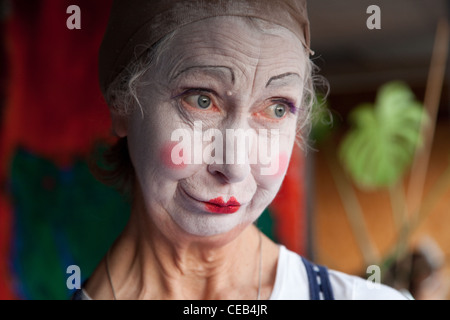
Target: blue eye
(199,101)
(204,102)
(279,110)
(276,111)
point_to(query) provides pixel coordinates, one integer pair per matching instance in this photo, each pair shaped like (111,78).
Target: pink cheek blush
(276,169)
(283,162)
(167,159)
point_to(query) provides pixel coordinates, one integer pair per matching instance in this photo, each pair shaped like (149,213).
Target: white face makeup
(223,74)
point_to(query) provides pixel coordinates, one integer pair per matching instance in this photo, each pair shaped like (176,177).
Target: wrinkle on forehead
(236,41)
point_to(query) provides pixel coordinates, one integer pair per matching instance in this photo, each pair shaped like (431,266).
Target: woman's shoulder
(352,287)
(292,282)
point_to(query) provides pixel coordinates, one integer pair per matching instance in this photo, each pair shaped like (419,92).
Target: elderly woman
(185,80)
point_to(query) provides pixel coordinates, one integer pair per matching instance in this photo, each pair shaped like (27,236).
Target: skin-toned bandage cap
(135,25)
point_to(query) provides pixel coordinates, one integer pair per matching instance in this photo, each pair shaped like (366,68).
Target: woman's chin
(212,231)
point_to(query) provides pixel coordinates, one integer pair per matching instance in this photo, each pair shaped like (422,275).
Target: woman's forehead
(135,25)
(233,42)
(227,30)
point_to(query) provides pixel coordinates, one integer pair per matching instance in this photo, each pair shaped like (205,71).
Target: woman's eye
(276,111)
(199,101)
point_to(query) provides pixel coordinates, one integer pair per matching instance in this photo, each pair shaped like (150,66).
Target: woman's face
(213,143)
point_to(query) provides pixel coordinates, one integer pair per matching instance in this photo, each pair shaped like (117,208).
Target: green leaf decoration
(381,144)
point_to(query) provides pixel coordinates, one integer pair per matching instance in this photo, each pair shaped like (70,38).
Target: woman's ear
(119,124)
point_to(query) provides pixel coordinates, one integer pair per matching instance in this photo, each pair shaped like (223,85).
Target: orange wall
(334,242)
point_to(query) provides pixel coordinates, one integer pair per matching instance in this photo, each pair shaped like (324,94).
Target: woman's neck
(146,264)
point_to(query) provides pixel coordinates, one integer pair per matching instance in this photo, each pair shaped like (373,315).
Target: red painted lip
(217,205)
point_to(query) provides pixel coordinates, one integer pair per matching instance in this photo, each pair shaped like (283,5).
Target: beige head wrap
(135,25)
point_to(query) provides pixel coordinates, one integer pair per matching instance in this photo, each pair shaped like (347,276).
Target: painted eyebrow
(215,68)
(282,76)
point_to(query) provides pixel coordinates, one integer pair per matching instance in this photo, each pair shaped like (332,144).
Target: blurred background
(373,188)
(368,204)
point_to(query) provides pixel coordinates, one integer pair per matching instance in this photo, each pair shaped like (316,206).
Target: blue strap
(319,281)
(77,295)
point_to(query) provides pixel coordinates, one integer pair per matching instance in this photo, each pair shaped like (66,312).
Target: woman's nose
(235,164)
(229,173)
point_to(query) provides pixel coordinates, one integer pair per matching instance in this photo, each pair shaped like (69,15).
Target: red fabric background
(289,206)
(55,109)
